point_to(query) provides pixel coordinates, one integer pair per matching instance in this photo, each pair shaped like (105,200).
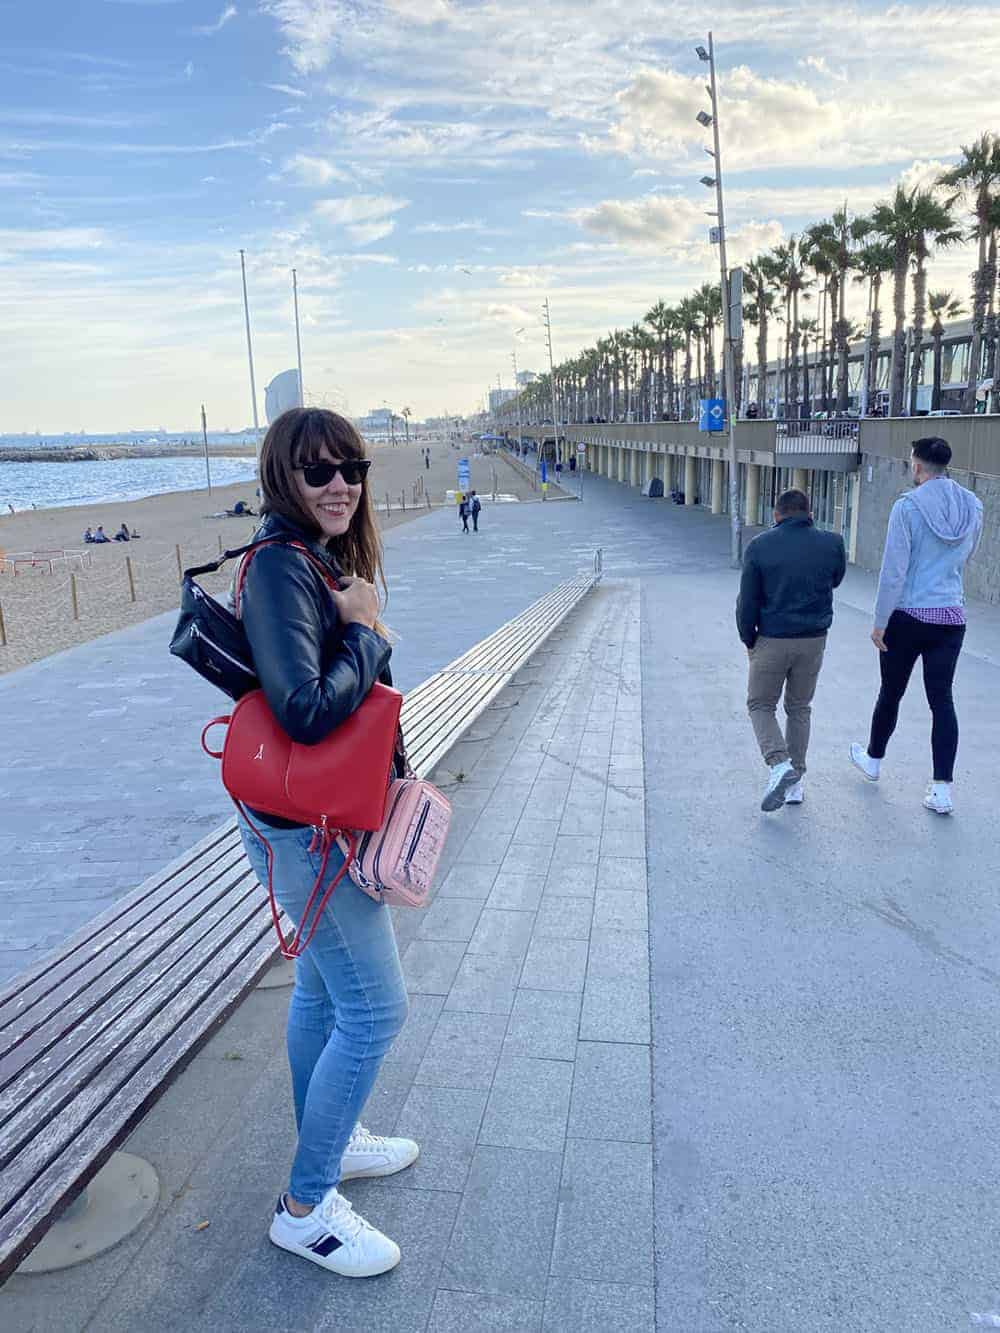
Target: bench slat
(114,1106)
(58,1078)
(106,991)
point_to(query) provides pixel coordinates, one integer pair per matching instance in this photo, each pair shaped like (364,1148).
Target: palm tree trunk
(919,315)
(937,332)
(687,376)
(761,361)
(896,383)
(979,301)
(874,338)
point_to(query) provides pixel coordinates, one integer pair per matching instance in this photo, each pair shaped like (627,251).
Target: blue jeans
(348,1004)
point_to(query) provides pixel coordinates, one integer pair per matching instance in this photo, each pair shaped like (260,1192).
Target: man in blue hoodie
(920,610)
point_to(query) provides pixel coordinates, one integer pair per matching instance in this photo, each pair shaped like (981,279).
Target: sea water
(49,485)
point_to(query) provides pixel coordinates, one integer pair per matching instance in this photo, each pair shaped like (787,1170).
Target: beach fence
(52,599)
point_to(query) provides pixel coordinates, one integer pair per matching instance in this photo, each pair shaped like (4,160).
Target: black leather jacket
(314,670)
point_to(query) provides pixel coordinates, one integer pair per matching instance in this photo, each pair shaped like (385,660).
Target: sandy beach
(37,606)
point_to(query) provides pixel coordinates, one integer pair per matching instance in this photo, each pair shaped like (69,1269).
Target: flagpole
(298,339)
(253,383)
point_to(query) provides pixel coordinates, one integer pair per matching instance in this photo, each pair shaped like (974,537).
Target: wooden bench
(91,1036)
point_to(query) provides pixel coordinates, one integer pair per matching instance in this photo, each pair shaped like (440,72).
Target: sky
(433,170)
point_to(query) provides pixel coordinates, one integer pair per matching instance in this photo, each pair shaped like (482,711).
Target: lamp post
(517,400)
(552,376)
(253,384)
(704,119)
(298,338)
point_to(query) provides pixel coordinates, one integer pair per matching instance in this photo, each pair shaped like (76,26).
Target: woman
(318,652)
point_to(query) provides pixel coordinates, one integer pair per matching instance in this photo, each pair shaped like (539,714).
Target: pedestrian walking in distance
(784,610)
(464,510)
(920,611)
(317,653)
(475,508)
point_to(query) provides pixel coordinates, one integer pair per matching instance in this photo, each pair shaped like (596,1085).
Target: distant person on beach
(427,458)
(920,611)
(464,512)
(123,534)
(241,510)
(318,651)
(784,610)
(475,508)
(100,535)
(88,536)
(11,508)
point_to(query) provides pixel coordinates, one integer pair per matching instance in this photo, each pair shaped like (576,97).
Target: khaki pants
(791,665)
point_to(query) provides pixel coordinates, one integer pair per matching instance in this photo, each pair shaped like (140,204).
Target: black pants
(939,646)
(475,521)
(465,522)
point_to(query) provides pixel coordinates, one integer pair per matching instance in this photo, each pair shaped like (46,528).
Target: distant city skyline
(433,169)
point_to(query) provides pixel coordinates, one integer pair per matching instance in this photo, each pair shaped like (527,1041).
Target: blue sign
(545,470)
(712,415)
(463,474)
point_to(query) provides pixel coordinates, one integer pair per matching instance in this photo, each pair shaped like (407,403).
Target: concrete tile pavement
(531,1205)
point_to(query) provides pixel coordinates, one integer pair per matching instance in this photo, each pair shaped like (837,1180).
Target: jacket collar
(794,521)
(276,525)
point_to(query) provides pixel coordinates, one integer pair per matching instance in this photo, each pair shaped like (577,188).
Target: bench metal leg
(117,1200)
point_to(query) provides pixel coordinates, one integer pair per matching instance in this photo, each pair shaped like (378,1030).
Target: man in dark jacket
(784,610)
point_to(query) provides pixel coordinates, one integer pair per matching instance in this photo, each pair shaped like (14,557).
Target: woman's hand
(878,639)
(357,602)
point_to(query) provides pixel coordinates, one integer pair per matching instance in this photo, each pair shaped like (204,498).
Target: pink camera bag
(396,864)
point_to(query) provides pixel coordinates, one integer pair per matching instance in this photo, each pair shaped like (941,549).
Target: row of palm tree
(662,366)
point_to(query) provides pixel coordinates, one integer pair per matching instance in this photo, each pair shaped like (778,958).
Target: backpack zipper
(196,633)
(419,830)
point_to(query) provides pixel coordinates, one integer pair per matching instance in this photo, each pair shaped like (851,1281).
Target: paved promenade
(824,990)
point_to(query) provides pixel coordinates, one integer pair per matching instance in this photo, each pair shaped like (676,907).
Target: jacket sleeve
(895,564)
(283,618)
(840,563)
(748,602)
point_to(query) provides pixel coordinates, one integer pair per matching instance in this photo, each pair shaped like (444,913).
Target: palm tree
(977,176)
(689,323)
(893,223)
(406,414)
(790,276)
(944,305)
(809,328)
(661,319)
(874,260)
(757,281)
(933,225)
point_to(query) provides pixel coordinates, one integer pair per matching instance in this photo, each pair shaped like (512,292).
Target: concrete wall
(883,480)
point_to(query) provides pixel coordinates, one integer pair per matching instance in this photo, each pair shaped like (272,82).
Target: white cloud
(443,227)
(210,29)
(316,171)
(286,89)
(500,313)
(54,238)
(653,222)
(359,208)
(311,28)
(365,233)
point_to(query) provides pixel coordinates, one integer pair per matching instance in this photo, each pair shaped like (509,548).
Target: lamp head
(708,181)
(703,118)
(701,53)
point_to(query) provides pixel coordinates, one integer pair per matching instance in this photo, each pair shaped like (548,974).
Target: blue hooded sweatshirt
(933,530)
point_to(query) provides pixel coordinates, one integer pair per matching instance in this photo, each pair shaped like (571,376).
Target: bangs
(319,429)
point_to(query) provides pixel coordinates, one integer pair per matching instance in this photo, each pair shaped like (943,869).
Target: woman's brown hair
(297,439)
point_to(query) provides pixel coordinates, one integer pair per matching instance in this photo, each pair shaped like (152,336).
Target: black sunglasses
(318,475)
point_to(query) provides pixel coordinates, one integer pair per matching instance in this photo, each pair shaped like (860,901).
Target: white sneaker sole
(372,1172)
(936,809)
(863,771)
(775,799)
(794,800)
(371,1269)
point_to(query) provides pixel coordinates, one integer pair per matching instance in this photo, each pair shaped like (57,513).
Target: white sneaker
(782,778)
(793,796)
(335,1237)
(938,798)
(861,759)
(368,1155)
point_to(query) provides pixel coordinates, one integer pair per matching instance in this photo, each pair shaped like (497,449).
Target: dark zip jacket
(314,670)
(789,574)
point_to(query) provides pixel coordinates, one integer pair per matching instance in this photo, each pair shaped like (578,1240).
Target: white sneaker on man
(782,777)
(861,759)
(335,1237)
(938,798)
(794,795)
(369,1155)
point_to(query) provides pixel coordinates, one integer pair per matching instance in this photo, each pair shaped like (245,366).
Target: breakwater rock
(74,454)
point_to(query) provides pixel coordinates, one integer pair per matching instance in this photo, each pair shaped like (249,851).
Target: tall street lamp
(729,359)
